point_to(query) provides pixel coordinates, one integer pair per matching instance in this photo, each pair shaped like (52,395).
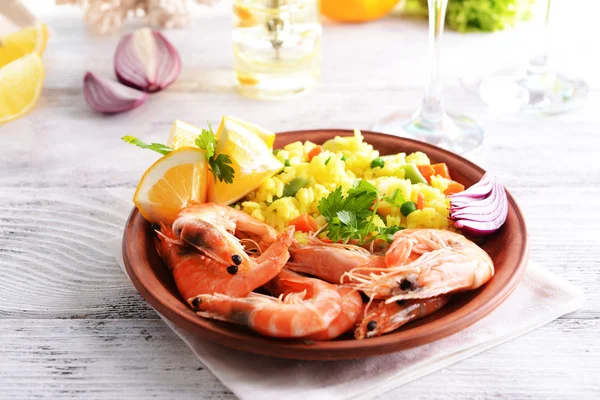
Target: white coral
(109,15)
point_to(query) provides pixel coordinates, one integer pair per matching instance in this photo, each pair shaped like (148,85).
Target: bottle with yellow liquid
(277,47)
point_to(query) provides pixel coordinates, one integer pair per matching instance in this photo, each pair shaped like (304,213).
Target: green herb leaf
(220,165)
(361,198)
(347,218)
(330,205)
(158,147)
(207,141)
(221,168)
(352,217)
(387,233)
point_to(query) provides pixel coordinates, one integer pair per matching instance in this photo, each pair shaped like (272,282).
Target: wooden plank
(140,359)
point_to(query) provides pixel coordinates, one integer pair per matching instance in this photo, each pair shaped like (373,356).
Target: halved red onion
(481,209)
(146,60)
(108,96)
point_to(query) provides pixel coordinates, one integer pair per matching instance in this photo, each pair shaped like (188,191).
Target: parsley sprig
(353,216)
(219,164)
(158,147)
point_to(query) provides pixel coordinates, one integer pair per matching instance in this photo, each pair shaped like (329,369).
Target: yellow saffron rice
(326,171)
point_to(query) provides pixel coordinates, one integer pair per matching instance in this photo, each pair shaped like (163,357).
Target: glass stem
(432,109)
(538,64)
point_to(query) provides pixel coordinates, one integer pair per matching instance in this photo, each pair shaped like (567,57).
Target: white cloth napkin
(540,298)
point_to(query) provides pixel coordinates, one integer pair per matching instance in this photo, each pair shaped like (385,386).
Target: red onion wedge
(108,96)
(481,209)
(146,60)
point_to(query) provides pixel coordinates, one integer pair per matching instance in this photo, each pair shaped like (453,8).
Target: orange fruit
(174,181)
(356,10)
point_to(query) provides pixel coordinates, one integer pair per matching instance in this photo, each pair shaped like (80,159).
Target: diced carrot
(304,223)
(314,152)
(441,169)
(454,187)
(420,201)
(426,171)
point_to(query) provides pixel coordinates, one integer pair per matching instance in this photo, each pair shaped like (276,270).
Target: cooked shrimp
(196,274)
(383,318)
(330,261)
(305,306)
(352,306)
(210,228)
(423,263)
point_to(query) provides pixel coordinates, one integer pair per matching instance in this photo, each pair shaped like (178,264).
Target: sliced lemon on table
(176,180)
(21,83)
(31,39)
(182,135)
(253,161)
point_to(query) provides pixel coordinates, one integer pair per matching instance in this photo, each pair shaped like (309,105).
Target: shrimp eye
(405,284)
(232,269)
(155,227)
(371,325)
(364,297)
(401,302)
(196,302)
(237,259)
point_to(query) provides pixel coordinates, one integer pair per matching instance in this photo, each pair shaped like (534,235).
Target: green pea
(276,151)
(291,188)
(408,208)
(287,163)
(344,158)
(377,162)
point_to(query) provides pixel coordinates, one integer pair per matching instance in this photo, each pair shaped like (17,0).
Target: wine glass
(431,123)
(535,87)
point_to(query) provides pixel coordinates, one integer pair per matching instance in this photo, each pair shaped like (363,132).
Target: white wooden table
(72,326)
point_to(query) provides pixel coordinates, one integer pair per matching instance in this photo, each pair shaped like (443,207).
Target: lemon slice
(28,40)
(178,179)
(252,160)
(182,135)
(21,84)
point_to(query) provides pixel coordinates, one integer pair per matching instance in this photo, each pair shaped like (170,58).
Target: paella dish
(313,241)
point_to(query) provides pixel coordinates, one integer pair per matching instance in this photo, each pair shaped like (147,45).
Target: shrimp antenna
(168,239)
(318,232)
(243,241)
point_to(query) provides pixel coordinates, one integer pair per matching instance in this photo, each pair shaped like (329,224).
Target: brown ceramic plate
(508,248)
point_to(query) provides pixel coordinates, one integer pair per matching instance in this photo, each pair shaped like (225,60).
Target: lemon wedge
(266,135)
(176,180)
(21,83)
(182,135)
(31,39)
(252,160)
